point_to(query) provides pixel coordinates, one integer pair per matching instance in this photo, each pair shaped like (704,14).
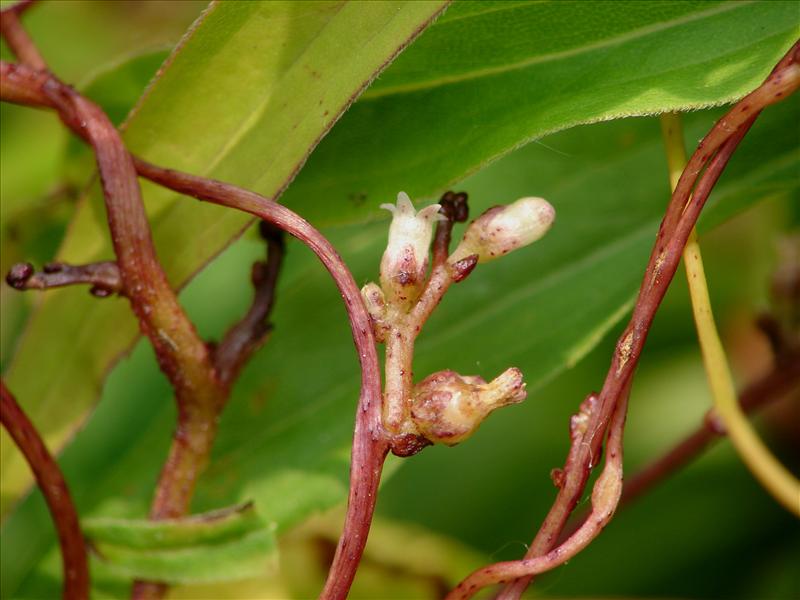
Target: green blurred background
(709,532)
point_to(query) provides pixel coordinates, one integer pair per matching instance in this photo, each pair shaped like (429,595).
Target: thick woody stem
(54,489)
(104,277)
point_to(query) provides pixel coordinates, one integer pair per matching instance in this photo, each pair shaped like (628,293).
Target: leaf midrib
(554,56)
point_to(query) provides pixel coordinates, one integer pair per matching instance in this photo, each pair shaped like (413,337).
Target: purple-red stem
(369,441)
(605,497)
(54,489)
(782,380)
(681,216)
(24,86)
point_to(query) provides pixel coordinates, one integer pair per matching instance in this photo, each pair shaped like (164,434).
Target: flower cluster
(444,407)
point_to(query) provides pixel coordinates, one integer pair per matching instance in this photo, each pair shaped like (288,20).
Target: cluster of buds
(445,407)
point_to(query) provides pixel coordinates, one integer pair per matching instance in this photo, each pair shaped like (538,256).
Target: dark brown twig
(56,494)
(102,276)
(455,209)
(246,336)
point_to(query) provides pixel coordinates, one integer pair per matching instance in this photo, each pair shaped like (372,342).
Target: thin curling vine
(418,267)
(54,489)
(682,213)
(201,377)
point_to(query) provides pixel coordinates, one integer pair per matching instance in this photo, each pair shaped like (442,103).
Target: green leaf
(204,528)
(490,76)
(246,556)
(222,545)
(245,97)
(284,438)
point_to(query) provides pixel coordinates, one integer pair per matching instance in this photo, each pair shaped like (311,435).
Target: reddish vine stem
(22,85)
(605,498)
(782,380)
(16,37)
(182,355)
(56,494)
(370,444)
(681,216)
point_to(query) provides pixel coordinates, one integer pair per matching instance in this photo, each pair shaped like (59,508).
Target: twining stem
(775,478)
(16,37)
(370,444)
(682,213)
(181,354)
(782,380)
(54,489)
(23,85)
(605,497)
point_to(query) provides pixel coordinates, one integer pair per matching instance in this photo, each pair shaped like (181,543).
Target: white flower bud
(376,307)
(447,407)
(502,229)
(405,260)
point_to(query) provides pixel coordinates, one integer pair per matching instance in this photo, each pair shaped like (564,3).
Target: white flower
(502,229)
(405,260)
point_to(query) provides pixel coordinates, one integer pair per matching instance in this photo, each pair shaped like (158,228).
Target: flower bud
(502,229)
(376,307)
(405,260)
(447,407)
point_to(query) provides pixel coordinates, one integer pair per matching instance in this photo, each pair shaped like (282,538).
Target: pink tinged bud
(376,307)
(447,407)
(502,229)
(405,260)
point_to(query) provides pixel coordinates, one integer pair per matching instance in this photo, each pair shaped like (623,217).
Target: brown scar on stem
(624,352)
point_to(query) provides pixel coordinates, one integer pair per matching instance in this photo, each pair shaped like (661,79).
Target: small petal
(405,260)
(502,229)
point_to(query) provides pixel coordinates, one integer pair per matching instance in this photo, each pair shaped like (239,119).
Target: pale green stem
(775,478)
